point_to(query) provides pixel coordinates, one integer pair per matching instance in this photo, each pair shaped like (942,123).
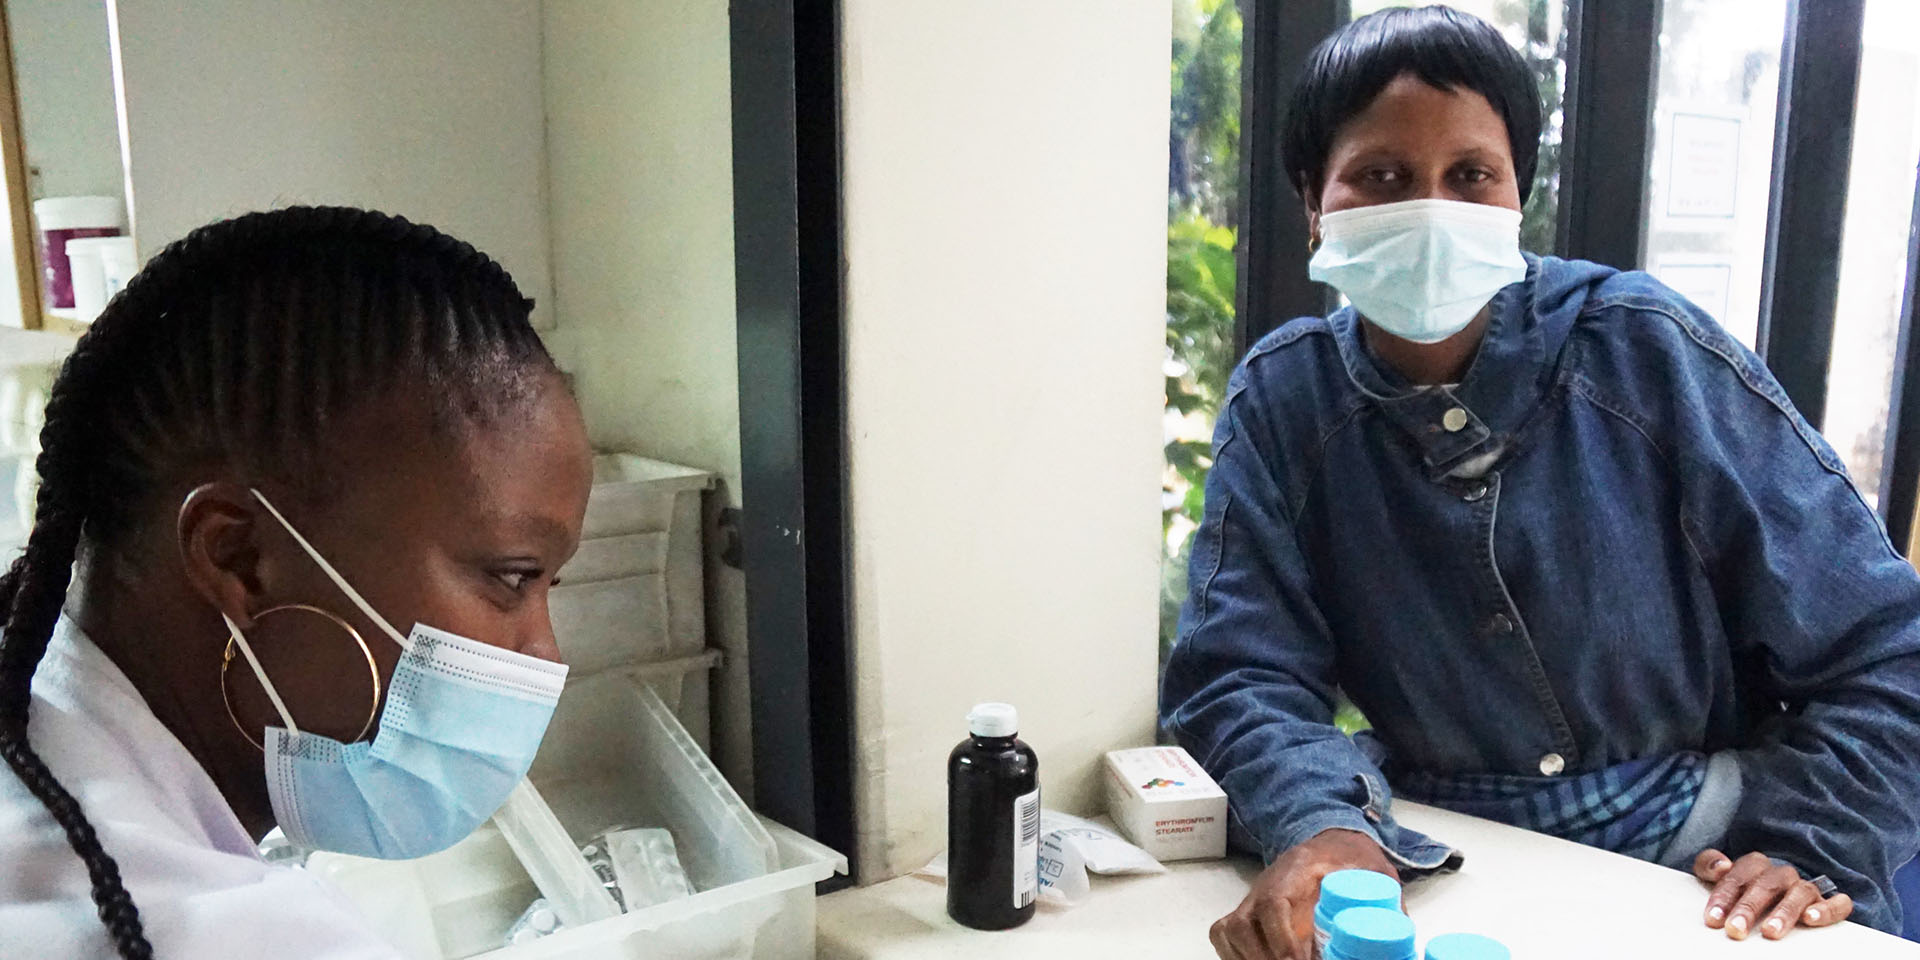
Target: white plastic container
(613,622)
(101,266)
(685,685)
(120,261)
(614,756)
(61,220)
(80,213)
(771,917)
(612,558)
(635,593)
(632,494)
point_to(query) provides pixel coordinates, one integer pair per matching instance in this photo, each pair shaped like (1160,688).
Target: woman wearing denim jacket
(1563,540)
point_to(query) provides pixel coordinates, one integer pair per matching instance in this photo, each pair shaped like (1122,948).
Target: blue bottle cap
(1371,933)
(1344,890)
(1466,946)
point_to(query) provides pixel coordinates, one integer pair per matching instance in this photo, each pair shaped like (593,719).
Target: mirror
(65,181)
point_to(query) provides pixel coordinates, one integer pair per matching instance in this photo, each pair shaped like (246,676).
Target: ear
(1310,203)
(218,531)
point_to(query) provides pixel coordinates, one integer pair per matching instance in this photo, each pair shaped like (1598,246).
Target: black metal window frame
(1812,155)
(786,195)
(1272,254)
(1606,140)
(1606,151)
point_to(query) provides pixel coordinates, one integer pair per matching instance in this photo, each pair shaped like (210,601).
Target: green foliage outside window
(1203,200)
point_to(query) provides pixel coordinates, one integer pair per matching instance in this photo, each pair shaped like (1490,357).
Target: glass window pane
(1712,165)
(1873,251)
(1537,28)
(1203,203)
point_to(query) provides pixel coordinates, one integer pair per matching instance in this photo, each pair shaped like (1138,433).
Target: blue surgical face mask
(1420,269)
(461,724)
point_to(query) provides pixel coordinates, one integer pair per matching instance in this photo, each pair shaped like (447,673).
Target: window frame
(1900,487)
(1807,204)
(1607,137)
(14,167)
(1272,254)
(786,188)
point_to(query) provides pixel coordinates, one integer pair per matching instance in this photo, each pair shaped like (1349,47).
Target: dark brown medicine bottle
(993,823)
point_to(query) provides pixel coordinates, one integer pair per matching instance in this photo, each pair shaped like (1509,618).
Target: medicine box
(1166,804)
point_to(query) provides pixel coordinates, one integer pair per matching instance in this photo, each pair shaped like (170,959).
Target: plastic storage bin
(636,590)
(615,756)
(767,918)
(634,595)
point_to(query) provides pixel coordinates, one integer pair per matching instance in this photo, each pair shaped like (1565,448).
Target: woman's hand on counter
(1275,921)
(1754,887)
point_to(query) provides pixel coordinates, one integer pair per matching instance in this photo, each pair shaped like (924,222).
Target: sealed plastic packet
(1070,849)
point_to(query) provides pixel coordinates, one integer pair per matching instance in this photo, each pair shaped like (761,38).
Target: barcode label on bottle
(1026,849)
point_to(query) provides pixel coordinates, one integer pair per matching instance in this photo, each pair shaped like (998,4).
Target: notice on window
(1703,164)
(1705,282)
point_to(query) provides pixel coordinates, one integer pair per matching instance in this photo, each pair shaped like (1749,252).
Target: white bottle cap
(74,213)
(994,720)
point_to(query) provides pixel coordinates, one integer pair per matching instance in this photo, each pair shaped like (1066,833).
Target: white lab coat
(200,885)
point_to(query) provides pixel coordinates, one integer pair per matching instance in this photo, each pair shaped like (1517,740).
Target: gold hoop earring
(373,669)
(1313,245)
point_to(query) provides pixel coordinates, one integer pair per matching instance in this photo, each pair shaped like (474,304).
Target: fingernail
(1813,914)
(1723,864)
(1738,925)
(1716,914)
(1773,925)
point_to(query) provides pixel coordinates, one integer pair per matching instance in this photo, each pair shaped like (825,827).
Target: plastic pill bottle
(1466,946)
(1371,933)
(1344,890)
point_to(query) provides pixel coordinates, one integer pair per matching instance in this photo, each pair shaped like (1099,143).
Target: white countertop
(1547,899)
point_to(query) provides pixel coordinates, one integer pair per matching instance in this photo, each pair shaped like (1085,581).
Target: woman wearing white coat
(292,432)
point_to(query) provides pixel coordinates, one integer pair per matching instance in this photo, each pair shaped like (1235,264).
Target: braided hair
(235,347)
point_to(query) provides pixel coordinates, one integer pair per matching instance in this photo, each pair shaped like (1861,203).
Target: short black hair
(1440,45)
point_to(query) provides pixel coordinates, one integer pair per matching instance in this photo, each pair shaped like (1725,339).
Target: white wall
(1005,204)
(423,108)
(639,140)
(64,77)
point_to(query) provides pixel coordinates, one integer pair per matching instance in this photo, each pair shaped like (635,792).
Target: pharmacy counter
(1546,898)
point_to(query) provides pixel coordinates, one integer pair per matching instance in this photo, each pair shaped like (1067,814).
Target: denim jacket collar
(1505,383)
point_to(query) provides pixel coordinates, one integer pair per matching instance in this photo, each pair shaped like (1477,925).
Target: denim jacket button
(1455,420)
(1501,624)
(1552,764)
(1475,493)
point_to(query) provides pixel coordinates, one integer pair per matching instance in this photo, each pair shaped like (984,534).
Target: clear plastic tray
(615,756)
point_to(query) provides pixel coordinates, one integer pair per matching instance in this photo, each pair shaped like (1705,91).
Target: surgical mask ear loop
(334,575)
(235,638)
